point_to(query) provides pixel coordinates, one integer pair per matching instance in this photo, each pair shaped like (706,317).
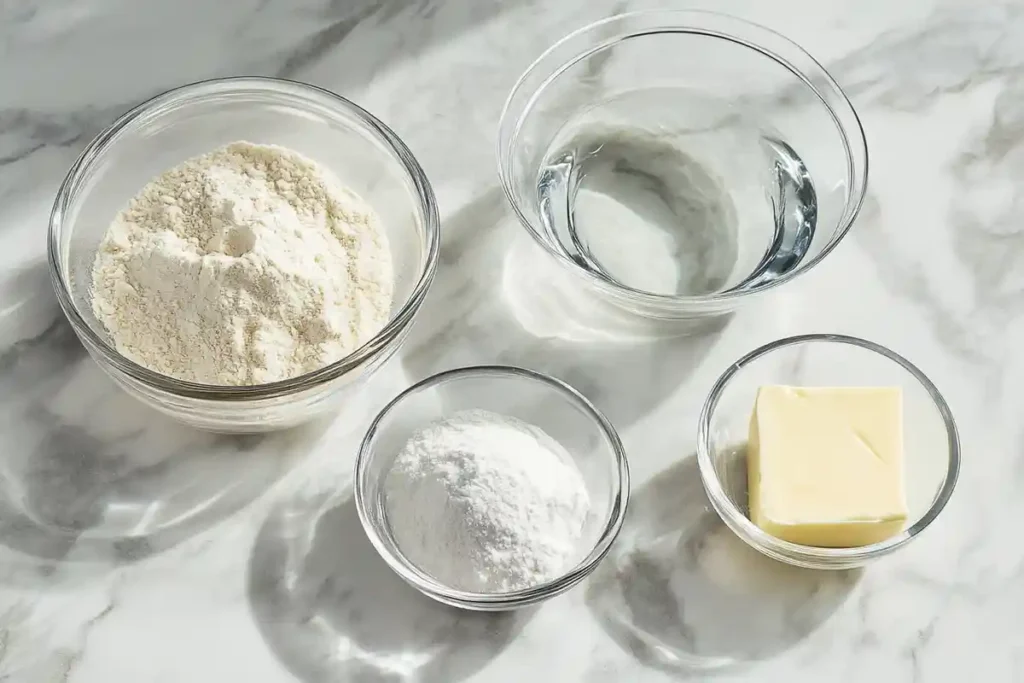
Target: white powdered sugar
(243,266)
(486,503)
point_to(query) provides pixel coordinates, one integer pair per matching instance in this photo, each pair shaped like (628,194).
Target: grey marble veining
(132,549)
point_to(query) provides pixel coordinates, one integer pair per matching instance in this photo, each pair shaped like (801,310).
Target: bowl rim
(240,86)
(710,24)
(813,555)
(512,599)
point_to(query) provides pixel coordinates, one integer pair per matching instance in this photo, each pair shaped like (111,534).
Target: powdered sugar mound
(247,265)
(486,503)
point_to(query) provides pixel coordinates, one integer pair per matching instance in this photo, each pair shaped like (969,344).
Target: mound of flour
(243,266)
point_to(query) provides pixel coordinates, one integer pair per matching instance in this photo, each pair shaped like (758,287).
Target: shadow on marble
(332,610)
(498,298)
(89,474)
(389,31)
(27,303)
(681,593)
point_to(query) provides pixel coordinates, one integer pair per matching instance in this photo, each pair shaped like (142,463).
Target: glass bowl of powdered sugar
(243,253)
(491,488)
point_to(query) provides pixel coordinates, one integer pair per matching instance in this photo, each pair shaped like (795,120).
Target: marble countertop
(135,550)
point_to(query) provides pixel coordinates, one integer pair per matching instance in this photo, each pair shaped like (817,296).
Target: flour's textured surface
(487,503)
(246,265)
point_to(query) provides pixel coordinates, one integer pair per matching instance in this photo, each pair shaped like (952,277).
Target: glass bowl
(679,162)
(931,444)
(553,406)
(364,153)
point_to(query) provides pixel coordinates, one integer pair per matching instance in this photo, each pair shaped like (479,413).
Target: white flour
(246,265)
(486,503)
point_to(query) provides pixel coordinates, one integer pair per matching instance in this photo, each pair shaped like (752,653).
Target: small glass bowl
(364,153)
(553,406)
(735,105)
(931,444)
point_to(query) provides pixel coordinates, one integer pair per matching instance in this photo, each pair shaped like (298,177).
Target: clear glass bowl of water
(679,162)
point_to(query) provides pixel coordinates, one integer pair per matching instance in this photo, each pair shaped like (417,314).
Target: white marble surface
(104,578)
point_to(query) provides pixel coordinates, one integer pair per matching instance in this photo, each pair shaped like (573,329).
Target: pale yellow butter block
(825,465)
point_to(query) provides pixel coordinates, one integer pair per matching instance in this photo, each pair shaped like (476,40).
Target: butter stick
(825,465)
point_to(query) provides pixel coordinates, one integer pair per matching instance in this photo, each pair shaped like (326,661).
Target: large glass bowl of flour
(587,443)
(363,153)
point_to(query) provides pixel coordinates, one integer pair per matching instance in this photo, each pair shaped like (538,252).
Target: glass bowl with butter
(827,451)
